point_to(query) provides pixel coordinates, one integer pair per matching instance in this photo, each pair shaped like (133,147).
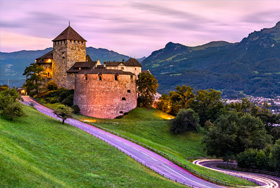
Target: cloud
(271,16)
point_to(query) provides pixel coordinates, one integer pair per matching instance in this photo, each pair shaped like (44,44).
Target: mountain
(251,66)
(12,64)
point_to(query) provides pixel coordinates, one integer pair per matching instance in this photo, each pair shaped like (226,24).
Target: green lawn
(38,151)
(151,127)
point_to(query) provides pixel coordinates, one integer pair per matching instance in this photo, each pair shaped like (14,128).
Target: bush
(68,100)
(76,109)
(51,85)
(53,100)
(64,94)
(184,121)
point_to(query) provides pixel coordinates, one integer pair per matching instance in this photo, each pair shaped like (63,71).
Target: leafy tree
(164,103)
(51,85)
(33,77)
(275,132)
(276,155)
(147,86)
(9,106)
(185,120)
(234,132)
(63,112)
(208,105)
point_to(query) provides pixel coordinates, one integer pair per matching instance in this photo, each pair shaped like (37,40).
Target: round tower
(68,47)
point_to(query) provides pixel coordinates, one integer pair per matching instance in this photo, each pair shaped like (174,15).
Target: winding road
(262,179)
(148,158)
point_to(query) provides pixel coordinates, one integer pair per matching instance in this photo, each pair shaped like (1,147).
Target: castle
(101,91)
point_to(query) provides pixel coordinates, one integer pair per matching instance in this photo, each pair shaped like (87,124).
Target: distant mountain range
(12,64)
(251,66)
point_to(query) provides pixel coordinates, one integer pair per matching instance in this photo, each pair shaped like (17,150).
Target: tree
(164,103)
(185,120)
(51,85)
(234,132)
(276,155)
(33,77)
(9,106)
(147,86)
(207,103)
(63,112)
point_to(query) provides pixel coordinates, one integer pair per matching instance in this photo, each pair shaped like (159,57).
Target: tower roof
(69,34)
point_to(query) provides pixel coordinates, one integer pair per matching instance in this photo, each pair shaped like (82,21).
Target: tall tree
(208,104)
(147,86)
(33,77)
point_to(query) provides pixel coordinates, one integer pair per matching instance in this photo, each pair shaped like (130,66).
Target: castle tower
(68,47)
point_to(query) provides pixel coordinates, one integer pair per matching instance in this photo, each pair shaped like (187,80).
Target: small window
(135,68)
(128,91)
(48,74)
(123,99)
(122,68)
(80,68)
(86,77)
(72,74)
(121,112)
(100,77)
(116,77)
(131,78)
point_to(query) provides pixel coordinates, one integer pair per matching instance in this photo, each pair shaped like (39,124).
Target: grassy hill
(151,127)
(38,151)
(250,66)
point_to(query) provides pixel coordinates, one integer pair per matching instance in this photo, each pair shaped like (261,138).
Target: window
(116,77)
(135,68)
(72,74)
(123,99)
(100,77)
(80,68)
(86,77)
(122,68)
(121,112)
(48,74)
(131,78)
(128,91)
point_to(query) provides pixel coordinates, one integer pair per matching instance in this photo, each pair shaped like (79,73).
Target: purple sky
(134,28)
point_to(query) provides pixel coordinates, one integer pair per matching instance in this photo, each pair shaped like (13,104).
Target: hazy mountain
(13,64)
(251,66)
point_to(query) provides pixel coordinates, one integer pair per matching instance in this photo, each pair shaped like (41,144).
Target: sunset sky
(130,27)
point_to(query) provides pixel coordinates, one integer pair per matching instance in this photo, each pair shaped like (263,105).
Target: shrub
(51,85)
(68,100)
(76,109)
(184,121)
(64,94)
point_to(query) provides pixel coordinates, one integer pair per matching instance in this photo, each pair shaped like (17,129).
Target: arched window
(100,77)
(86,77)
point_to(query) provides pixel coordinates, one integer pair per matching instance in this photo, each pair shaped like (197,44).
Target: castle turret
(68,47)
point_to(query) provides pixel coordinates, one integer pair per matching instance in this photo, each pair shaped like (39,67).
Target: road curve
(148,158)
(265,181)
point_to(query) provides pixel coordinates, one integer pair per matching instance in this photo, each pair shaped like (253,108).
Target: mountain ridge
(251,66)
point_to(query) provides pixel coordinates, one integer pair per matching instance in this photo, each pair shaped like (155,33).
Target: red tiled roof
(69,34)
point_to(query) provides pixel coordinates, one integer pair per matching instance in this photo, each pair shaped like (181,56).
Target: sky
(132,27)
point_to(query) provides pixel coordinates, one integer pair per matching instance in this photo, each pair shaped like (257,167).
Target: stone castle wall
(134,70)
(107,98)
(65,54)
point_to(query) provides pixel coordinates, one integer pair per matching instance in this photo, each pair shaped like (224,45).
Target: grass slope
(151,127)
(38,151)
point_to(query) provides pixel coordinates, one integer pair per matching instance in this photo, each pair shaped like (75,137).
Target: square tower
(68,48)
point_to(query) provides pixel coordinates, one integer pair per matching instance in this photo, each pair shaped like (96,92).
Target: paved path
(264,180)
(148,158)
